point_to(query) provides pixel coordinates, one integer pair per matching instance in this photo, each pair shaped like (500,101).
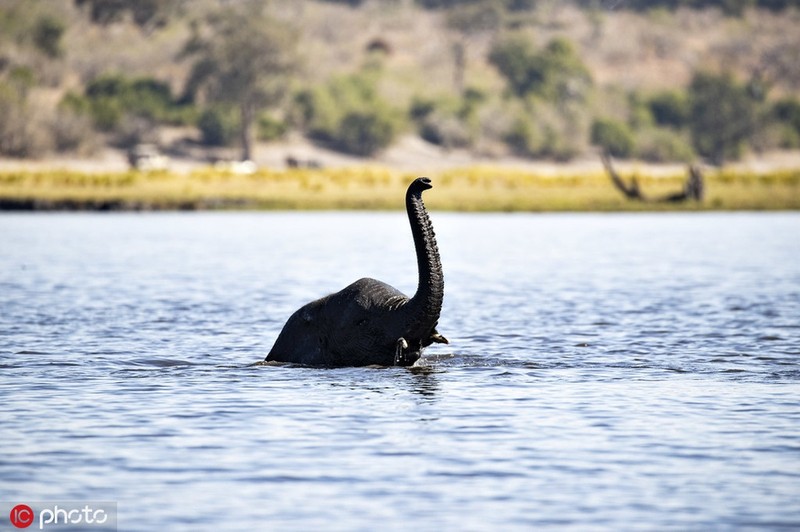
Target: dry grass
(470,189)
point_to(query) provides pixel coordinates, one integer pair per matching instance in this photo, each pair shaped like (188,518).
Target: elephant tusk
(398,351)
(439,339)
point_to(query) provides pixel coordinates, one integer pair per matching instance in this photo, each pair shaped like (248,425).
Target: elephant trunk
(423,310)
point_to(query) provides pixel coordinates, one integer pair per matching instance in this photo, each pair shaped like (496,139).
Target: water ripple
(603,371)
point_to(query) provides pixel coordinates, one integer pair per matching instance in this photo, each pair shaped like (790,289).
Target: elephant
(369,322)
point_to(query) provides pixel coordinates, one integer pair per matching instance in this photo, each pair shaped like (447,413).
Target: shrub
(47,34)
(520,137)
(639,114)
(554,73)
(421,108)
(316,111)
(551,134)
(773,135)
(218,126)
(112,96)
(269,128)
(445,130)
(788,138)
(613,136)
(348,113)
(670,108)
(75,103)
(661,145)
(447,121)
(22,79)
(512,57)
(145,13)
(106,113)
(787,110)
(365,132)
(729,7)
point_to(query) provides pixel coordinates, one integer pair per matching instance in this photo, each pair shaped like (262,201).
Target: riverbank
(473,188)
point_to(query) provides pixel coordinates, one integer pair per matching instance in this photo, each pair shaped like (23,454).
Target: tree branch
(693,188)
(630,191)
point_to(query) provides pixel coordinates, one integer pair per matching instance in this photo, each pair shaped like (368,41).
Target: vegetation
(127,109)
(723,116)
(447,121)
(348,114)
(145,13)
(537,79)
(553,73)
(243,60)
(469,189)
(218,125)
(613,137)
(730,7)
(47,35)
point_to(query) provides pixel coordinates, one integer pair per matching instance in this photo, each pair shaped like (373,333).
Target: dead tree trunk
(693,188)
(630,191)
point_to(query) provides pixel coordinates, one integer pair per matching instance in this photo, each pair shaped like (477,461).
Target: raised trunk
(423,310)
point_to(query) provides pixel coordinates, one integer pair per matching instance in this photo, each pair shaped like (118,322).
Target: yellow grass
(467,189)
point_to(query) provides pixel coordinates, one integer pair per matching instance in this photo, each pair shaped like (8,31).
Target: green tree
(554,73)
(723,116)
(243,57)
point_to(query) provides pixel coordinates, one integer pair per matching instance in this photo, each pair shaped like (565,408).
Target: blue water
(611,372)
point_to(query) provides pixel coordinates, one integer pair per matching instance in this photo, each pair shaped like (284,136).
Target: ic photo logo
(63,515)
(21,516)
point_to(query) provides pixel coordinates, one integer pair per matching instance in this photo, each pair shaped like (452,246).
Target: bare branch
(630,191)
(693,188)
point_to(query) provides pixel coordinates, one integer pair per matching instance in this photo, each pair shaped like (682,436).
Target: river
(605,372)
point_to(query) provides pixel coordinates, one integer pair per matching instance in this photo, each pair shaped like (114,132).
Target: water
(605,372)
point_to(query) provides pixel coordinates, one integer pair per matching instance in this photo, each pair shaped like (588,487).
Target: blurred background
(408,83)
(605,369)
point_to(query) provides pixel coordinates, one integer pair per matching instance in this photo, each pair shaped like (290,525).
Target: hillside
(394,66)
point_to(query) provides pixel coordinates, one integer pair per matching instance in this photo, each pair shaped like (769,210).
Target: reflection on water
(603,370)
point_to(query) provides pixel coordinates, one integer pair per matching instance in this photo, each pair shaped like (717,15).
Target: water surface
(605,372)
